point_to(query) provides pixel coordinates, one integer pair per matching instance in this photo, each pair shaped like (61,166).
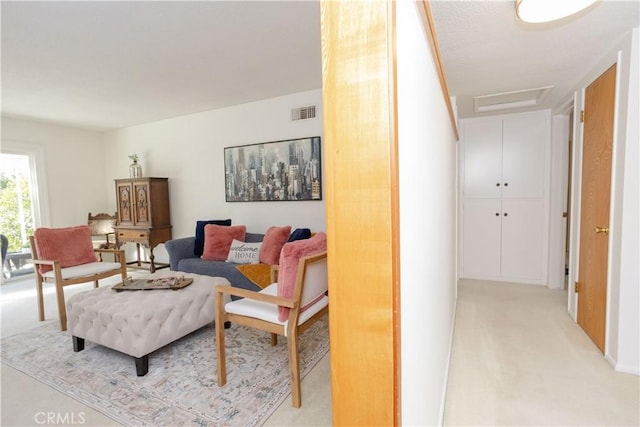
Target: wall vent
(303,113)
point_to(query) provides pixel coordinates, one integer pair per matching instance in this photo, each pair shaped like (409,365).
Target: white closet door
(523,239)
(482,158)
(481,237)
(523,156)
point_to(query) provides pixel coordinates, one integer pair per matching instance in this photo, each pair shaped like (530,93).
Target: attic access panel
(508,100)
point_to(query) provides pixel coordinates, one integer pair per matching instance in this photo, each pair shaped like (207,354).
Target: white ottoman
(139,322)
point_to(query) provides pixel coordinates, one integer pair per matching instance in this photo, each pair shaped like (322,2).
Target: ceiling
(107,65)
(112,64)
(486,49)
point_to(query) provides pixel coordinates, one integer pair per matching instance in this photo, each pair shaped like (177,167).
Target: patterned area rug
(181,386)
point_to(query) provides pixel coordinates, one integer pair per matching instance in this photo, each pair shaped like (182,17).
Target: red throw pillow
(218,239)
(274,240)
(71,246)
(289,259)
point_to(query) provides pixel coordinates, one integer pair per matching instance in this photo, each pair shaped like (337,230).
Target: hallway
(519,359)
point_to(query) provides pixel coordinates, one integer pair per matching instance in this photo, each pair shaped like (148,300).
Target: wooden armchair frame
(291,329)
(102,225)
(61,282)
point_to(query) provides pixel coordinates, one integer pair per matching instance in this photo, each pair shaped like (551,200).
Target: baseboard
(518,280)
(443,399)
(628,369)
(610,360)
(619,367)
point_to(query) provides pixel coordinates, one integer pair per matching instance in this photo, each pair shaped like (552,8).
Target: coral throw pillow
(274,240)
(288,269)
(218,239)
(198,246)
(71,246)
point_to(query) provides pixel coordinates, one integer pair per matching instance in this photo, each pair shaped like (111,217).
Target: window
(16,221)
(22,202)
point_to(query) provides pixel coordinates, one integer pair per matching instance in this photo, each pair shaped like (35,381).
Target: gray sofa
(182,258)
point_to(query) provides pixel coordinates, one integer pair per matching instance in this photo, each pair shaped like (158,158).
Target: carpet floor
(181,386)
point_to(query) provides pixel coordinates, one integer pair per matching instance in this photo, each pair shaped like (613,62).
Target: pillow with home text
(244,253)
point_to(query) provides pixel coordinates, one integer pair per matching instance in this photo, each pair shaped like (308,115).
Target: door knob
(603,230)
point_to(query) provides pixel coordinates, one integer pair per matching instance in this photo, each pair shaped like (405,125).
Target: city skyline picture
(289,170)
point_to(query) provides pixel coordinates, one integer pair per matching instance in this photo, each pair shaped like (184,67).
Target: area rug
(181,386)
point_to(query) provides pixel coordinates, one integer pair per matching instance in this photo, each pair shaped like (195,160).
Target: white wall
(627,355)
(189,151)
(74,166)
(623,322)
(427,164)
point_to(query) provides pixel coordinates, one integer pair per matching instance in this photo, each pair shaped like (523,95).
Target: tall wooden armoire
(143,214)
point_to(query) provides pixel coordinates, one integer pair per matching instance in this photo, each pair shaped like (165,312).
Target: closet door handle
(497,184)
(601,230)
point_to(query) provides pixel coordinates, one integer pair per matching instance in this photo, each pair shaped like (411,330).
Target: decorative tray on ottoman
(156,283)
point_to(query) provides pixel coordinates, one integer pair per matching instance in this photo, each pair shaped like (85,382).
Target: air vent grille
(303,113)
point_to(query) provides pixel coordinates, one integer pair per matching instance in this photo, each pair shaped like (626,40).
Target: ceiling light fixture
(537,11)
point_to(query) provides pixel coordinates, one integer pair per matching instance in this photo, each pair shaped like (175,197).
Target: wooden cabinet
(143,214)
(504,218)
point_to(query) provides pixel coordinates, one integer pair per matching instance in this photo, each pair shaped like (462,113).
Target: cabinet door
(481,237)
(125,203)
(482,158)
(142,197)
(523,239)
(523,156)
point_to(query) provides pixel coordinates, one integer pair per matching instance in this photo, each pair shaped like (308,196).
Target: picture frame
(287,170)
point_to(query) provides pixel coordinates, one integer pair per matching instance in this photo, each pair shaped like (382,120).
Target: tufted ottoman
(139,322)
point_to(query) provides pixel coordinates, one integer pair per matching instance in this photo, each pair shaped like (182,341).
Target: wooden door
(125,203)
(594,209)
(142,203)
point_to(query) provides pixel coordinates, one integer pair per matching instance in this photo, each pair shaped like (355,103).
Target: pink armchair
(65,256)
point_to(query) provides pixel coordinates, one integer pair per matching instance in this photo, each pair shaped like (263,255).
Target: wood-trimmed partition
(360,140)
(360,108)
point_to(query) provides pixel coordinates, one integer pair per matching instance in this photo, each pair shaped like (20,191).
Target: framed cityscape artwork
(274,171)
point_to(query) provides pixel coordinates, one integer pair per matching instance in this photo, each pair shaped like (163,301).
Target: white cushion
(269,312)
(84,269)
(244,253)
